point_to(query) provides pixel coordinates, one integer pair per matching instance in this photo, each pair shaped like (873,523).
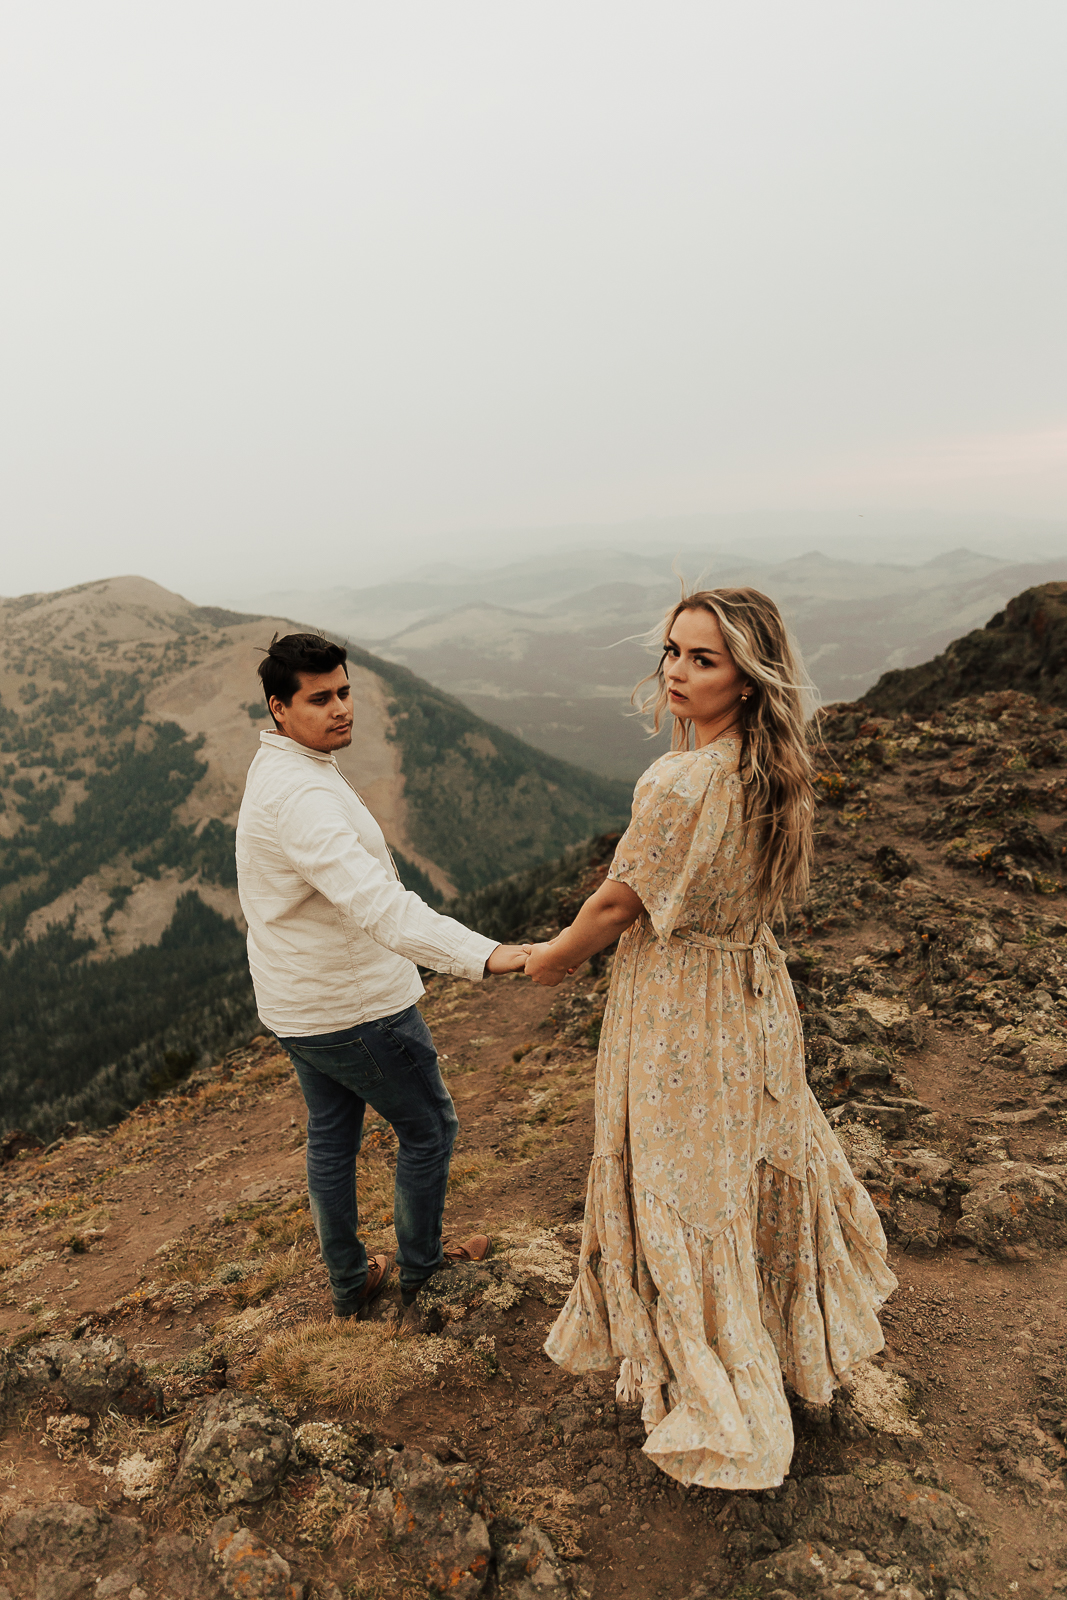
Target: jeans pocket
(350,1064)
(411,1038)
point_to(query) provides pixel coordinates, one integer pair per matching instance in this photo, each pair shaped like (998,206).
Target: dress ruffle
(705,1326)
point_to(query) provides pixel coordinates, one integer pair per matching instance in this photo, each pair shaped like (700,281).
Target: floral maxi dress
(726,1240)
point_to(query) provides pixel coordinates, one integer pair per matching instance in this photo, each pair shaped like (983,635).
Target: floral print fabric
(726,1240)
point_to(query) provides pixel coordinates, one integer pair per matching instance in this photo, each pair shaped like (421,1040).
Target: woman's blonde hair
(776,766)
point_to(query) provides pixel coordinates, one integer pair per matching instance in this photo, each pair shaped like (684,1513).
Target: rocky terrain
(184,1420)
(1024,647)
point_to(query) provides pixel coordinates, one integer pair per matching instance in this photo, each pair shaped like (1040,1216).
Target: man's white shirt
(332,933)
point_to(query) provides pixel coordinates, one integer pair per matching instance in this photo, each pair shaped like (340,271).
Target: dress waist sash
(765,961)
(765,958)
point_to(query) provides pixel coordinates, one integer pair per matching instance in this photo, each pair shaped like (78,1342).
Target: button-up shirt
(332,933)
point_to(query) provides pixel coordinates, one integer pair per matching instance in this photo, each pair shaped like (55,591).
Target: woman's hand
(543,967)
(506,958)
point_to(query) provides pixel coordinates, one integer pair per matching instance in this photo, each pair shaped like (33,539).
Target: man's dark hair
(296,653)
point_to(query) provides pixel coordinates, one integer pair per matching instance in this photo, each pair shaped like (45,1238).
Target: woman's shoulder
(688,768)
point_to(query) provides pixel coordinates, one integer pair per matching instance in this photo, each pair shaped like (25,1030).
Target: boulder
(186,1564)
(1012,1203)
(924,1175)
(61,1583)
(918,1224)
(438,1524)
(889,1518)
(527,1567)
(247,1567)
(891,864)
(92,1374)
(814,1571)
(63,1531)
(236,1448)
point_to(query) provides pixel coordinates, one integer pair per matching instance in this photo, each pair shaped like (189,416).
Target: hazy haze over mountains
(550,647)
(326,288)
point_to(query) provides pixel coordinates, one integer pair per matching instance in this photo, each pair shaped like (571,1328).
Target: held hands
(542,967)
(535,958)
(507,958)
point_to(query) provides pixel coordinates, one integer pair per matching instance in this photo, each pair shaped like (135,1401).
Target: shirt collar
(280,741)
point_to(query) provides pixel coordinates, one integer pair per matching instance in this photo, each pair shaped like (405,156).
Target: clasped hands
(535,960)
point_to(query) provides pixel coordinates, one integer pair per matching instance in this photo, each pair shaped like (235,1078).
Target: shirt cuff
(473,953)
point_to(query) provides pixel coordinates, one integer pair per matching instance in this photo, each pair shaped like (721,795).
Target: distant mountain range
(551,647)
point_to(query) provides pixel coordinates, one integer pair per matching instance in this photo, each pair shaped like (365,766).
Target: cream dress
(726,1240)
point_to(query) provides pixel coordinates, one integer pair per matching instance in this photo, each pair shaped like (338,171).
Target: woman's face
(702,678)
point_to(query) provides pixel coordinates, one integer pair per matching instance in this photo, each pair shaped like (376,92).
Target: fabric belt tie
(765,961)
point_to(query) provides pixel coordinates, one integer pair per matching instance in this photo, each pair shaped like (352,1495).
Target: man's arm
(318,838)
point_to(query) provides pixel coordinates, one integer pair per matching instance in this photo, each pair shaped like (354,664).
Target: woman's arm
(603,917)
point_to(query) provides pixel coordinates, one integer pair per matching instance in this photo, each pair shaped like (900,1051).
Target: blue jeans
(391,1065)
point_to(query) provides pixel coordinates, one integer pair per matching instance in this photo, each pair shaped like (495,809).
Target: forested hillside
(128,718)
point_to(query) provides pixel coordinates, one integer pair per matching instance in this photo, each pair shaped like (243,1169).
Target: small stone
(122,1582)
(604,1510)
(248,1567)
(1037,1563)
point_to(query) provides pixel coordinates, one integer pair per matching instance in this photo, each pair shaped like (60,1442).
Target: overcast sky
(292,293)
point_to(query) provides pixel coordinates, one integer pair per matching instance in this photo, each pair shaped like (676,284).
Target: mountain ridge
(556,658)
(128,719)
(1023,647)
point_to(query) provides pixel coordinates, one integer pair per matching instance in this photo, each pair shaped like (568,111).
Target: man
(333,938)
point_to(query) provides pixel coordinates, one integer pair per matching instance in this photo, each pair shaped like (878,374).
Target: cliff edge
(1023,647)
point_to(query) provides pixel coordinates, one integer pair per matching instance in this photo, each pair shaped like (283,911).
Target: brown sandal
(476,1248)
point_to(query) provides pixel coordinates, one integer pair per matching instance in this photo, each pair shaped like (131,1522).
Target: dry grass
(114,1435)
(11,1248)
(292,1225)
(353,1366)
(188,1263)
(273,1070)
(332,1514)
(276,1270)
(550,1508)
(468,1173)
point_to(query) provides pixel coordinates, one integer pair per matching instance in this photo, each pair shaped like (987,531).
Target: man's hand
(543,966)
(506,958)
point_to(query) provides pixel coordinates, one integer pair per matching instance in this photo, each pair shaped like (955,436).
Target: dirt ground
(185,1231)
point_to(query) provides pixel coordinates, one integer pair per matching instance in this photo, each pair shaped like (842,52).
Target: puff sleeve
(680,811)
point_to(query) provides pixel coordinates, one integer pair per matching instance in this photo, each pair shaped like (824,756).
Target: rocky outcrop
(813,1571)
(435,1516)
(887,1518)
(61,1550)
(1023,647)
(235,1449)
(1012,1203)
(247,1567)
(527,1567)
(92,1375)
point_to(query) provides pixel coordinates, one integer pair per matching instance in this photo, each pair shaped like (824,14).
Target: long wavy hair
(775,766)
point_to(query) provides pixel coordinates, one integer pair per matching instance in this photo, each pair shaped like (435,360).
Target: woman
(726,1240)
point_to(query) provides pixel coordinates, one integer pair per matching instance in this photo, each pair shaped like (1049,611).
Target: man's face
(320,713)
